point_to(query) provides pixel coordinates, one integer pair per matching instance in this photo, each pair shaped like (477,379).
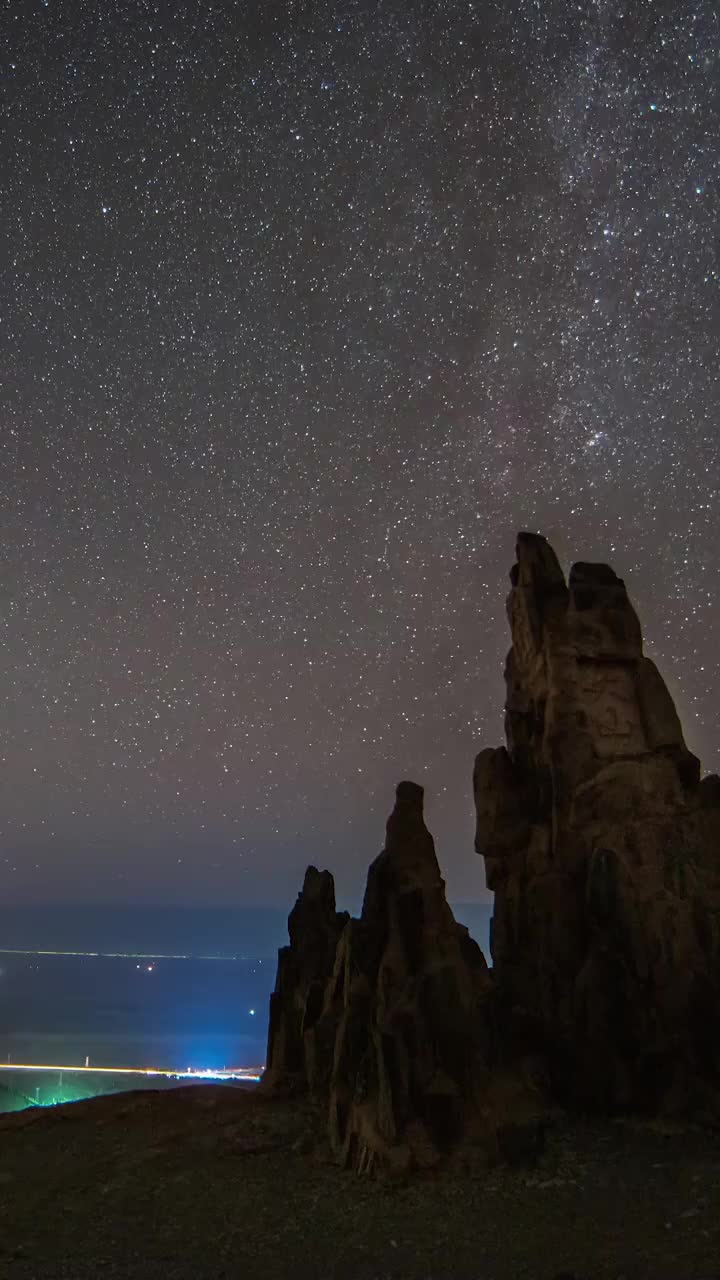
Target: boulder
(602,847)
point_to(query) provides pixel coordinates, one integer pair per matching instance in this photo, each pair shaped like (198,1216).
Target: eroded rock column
(602,847)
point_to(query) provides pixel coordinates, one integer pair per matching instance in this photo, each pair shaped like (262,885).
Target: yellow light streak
(239,1073)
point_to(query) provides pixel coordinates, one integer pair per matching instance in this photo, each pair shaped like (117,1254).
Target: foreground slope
(212,1182)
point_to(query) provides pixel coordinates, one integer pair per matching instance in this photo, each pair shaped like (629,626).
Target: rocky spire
(314,927)
(602,847)
(395,1035)
(413,1029)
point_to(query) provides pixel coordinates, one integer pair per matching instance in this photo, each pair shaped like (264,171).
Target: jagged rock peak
(409,999)
(405,877)
(406,820)
(314,927)
(395,1038)
(601,846)
(407,840)
(538,565)
(314,910)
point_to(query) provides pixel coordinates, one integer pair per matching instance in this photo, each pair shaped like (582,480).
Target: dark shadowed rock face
(394,1035)
(602,847)
(314,927)
(409,999)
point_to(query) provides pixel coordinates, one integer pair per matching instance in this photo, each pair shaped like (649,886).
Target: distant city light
(189,1073)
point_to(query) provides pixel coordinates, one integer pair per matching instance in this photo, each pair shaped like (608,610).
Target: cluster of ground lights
(245,1075)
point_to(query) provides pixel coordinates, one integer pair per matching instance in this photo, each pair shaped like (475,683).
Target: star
(367,294)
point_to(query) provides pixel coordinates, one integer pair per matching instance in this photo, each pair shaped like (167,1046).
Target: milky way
(307,308)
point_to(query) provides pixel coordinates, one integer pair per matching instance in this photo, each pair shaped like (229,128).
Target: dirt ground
(213,1182)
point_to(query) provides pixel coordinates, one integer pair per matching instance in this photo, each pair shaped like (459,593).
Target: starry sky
(306,309)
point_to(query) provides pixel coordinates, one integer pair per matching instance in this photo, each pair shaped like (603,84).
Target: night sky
(306,309)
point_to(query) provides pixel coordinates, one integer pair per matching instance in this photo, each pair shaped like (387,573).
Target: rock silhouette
(602,847)
(399,1051)
(314,927)
(409,996)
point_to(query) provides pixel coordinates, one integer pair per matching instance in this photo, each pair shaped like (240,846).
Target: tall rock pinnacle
(394,1037)
(602,847)
(314,927)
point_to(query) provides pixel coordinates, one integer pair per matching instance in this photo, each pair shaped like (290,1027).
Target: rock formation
(602,847)
(395,1039)
(314,927)
(409,997)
